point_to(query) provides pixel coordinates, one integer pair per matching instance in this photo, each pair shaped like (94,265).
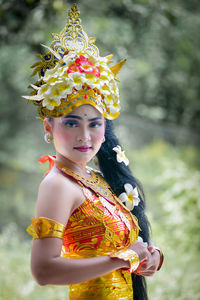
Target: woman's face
(78,136)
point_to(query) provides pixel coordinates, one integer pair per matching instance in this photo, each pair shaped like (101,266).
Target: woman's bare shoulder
(57,197)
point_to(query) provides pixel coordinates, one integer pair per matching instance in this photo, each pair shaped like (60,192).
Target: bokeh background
(159,128)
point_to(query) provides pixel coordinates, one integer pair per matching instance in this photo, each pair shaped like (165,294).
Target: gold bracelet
(128,255)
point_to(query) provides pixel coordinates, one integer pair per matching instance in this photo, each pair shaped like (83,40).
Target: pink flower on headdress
(96,72)
(82,59)
(86,68)
(73,69)
(84,65)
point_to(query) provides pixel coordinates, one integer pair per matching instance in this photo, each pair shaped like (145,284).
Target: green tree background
(159,127)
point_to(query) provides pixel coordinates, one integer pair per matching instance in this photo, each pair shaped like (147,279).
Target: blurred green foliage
(171,181)
(159,126)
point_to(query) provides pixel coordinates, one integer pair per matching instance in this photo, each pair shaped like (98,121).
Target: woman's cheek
(66,136)
(63,137)
(99,134)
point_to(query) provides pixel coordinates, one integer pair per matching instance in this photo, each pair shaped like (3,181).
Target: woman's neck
(79,168)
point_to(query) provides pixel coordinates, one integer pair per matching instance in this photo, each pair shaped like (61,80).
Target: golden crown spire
(73,37)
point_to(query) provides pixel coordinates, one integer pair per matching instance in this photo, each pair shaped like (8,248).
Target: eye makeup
(95,124)
(71,123)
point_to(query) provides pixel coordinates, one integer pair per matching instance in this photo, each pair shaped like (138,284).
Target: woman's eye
(71,123)
(95,124)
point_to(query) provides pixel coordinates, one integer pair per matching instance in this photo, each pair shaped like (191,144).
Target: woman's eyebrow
(73,117)
(94,119)
(79,118)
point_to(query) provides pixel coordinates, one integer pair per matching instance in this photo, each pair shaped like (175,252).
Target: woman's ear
(47,125)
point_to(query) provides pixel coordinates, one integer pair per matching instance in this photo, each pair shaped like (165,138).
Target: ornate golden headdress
(72,73)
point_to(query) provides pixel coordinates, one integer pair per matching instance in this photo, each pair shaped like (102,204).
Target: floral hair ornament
(121,157)
(130,197)
(72,73)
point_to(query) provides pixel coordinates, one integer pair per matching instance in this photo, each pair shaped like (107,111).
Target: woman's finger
(147,273)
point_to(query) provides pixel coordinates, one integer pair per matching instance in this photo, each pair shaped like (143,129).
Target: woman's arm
(58,197)
(49,268)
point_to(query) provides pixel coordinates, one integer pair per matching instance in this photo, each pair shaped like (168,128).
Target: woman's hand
(149,267)
(141,249)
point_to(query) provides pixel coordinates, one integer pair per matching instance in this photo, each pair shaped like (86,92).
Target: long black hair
(117,174)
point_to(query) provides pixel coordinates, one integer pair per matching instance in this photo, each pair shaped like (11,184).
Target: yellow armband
(44,227)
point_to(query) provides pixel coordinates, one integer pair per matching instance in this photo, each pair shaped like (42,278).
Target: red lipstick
(83,148)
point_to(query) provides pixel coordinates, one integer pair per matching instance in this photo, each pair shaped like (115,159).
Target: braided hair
(117,174)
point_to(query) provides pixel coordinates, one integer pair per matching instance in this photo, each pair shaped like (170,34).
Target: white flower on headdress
(95,84)
(43,89)
(61,89)
(78,79)
(70,57)
(108,99)
(121,155)
(130,197)
(105,90)
(113,87)
(50,103)
(103,60)
(91,79)
(51,73)
(93,59)
(105,77)
(114,108)
(63,71)
(53,80)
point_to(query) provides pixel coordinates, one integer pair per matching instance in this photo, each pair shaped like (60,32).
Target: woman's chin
(82,160)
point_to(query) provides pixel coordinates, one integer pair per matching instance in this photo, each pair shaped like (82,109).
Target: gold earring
(104,139)
(48,137)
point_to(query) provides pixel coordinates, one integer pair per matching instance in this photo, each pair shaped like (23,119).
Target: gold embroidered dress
(99,226)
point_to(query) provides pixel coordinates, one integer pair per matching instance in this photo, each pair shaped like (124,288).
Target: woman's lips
(83,148)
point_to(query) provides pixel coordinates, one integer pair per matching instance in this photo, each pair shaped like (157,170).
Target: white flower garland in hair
(131,196)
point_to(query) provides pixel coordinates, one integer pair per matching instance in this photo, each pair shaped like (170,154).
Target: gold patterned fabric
(113,286)
(98,227)
(44,227)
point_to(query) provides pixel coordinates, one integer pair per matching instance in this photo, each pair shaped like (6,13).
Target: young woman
(84,236)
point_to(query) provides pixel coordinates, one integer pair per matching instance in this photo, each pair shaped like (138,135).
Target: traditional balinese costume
(72,74)
(102,225)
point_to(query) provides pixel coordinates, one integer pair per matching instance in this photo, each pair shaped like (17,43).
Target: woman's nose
(84,135)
